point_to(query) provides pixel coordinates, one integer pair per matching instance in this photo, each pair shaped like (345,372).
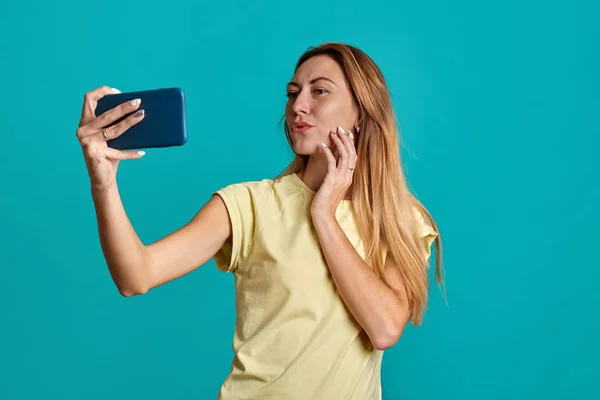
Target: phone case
(164,123)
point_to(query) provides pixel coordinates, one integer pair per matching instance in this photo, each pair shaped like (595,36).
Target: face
(319,100)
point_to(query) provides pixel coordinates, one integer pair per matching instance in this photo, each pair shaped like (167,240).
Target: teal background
(498,103)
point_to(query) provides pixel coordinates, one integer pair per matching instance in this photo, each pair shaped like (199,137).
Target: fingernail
(116,90)
(341,130)
(323,145)
(333,133)
(138,114)
(350,134)
(134,103)
(141,153)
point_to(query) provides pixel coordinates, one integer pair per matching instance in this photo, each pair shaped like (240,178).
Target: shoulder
(426,230)
(251,186)
(252,205)
(258,193)
(424,225)
(259,189)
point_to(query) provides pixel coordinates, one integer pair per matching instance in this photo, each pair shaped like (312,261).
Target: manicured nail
(116,90)
(357,129)
(141,153)
(323,145)
(135,102)
(341,130)
(333,133)
(138,114)
(350,134)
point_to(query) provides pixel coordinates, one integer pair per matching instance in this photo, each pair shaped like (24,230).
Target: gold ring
(104,134)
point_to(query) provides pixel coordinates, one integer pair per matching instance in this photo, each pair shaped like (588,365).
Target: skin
(330,107)
(327,105)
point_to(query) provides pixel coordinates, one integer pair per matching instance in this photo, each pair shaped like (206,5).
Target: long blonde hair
(383,205)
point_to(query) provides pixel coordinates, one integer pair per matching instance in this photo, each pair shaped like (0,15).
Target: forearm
(372,303)
(122,248)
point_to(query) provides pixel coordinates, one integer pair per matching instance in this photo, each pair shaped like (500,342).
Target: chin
(307,144)
(306,149)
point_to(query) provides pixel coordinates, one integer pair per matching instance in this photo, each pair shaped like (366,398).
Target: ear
(356,128)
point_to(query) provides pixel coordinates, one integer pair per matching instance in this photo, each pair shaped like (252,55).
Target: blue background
(498,103)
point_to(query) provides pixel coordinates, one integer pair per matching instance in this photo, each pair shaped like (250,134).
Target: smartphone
(164,123)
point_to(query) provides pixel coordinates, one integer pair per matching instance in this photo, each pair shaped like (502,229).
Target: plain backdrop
(498,106)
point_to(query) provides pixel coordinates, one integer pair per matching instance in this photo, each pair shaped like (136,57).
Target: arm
(374,305)
(136,268)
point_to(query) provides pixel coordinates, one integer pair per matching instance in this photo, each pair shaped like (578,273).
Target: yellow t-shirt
(294,337)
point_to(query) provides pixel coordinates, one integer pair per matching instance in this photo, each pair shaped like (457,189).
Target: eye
(319,92)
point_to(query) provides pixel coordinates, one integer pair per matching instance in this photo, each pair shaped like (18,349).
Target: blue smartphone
(164,123)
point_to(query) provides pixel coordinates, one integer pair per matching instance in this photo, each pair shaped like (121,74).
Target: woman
(330,258)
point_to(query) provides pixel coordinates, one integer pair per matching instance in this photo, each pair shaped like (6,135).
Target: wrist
(322,218)
(101,190)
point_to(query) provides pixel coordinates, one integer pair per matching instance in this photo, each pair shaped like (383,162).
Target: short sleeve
(238,200)
(426,232)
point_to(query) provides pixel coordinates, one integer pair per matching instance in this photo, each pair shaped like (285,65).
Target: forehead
(316,66)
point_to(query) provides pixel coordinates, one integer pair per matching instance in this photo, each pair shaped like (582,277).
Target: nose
(301,103)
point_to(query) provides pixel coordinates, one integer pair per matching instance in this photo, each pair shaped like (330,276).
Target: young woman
(330,258)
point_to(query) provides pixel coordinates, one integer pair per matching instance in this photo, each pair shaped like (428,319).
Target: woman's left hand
(339,174)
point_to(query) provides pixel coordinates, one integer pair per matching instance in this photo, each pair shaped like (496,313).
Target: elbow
(389,339)
(131,291)
(384,344)
(392,333)
(136,285)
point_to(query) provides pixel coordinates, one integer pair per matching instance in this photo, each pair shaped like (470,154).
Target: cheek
(327,111)
(289,115)
(329,115)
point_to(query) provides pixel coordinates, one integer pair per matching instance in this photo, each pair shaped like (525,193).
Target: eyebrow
(313,81)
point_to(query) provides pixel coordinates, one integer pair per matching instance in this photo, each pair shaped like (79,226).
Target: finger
(350,146)
(114,114)
(90,101)
(349,161)
(335,148)
(118,129)
(86,134)
(337,139)
(347,140)
(330,158)
(115,154)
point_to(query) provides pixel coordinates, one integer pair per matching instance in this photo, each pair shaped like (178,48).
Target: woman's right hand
(102,161)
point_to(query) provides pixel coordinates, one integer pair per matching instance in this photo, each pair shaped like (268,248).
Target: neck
(314,172)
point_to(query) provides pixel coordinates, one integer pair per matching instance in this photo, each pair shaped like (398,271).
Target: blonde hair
(386,218)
